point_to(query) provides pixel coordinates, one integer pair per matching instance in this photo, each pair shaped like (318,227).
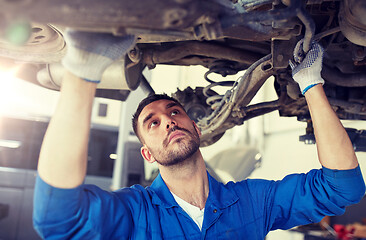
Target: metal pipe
(113,78)
(258,109)
(145,85)
(243,19)
(241,91)
(182,50)
(248,5)
(349,107)
(306,19)
(309,24)
(338,78)
(321,35)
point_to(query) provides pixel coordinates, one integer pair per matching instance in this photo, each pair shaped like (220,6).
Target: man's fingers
(292,64)
(299,52)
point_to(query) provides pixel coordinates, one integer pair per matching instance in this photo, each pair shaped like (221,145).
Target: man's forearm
(63,156)
(335,150)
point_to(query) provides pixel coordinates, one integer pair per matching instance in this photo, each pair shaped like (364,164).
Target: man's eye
(153,123)
(175,112)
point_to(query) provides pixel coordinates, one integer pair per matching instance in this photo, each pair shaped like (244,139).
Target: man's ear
(197,129)
(146,154)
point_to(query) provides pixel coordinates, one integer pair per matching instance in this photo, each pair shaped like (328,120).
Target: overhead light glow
(8,91)
(9,143)
(22,98)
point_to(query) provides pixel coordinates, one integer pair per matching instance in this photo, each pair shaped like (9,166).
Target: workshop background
(265,147)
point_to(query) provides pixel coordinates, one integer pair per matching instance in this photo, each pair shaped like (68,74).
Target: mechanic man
(184,201)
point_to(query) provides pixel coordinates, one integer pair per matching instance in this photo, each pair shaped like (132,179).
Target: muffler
(113,77)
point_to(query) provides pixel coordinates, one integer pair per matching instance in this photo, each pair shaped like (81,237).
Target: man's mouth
(176,134)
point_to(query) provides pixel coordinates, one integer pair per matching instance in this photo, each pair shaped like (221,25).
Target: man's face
(168,134)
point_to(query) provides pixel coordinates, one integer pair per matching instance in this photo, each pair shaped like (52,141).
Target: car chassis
(222,35)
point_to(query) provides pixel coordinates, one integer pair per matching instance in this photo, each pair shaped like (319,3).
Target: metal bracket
(357,137)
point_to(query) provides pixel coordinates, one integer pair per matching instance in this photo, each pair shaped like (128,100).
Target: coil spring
(223,68)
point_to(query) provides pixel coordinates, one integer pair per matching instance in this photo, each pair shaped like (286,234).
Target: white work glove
(306,69)
(89,54)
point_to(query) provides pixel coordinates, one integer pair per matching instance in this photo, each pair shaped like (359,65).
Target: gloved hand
(306,69)
(89,54)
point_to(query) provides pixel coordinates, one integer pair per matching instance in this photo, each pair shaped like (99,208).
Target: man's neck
(189,180)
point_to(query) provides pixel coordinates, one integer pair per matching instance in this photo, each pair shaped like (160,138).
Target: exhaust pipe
(113,78)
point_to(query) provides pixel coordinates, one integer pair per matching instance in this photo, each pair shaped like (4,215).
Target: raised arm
(63,156)
(335,150)
(62,161)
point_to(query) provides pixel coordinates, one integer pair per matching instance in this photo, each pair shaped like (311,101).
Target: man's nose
(170,123)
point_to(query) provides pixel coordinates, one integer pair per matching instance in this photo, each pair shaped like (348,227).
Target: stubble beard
(183,151)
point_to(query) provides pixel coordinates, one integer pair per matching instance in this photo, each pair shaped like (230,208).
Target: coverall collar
(219,196)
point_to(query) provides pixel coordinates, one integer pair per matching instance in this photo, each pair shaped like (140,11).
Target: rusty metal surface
(230,114)
(206,49)
(208,33)
(111,13)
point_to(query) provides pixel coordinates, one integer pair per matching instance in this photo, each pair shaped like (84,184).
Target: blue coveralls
(245,210)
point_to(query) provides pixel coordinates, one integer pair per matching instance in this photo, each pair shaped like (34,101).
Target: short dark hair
(146,101)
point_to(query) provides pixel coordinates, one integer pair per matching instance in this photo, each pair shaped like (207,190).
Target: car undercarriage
(224,36)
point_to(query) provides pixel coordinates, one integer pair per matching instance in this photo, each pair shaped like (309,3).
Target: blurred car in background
(20,142)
